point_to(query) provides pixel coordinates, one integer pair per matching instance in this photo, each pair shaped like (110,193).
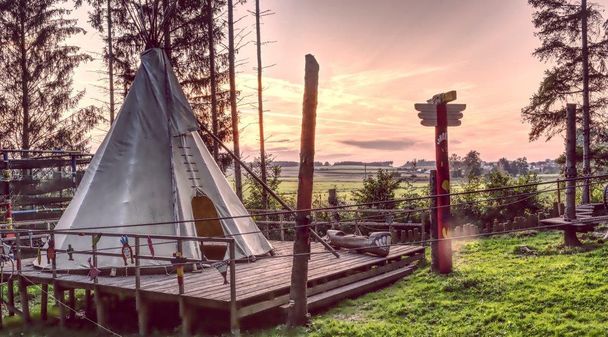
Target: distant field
(349,178)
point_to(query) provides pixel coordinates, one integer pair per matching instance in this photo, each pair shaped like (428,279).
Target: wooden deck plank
(266,276)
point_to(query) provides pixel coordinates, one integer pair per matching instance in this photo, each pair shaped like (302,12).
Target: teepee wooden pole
(264,186)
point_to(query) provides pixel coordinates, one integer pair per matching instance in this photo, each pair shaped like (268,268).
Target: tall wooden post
(442,190)
(298,311)
(233,108)
(433,216)
(437,113)
(570,238)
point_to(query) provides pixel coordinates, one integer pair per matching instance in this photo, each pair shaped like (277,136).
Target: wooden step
(356,288)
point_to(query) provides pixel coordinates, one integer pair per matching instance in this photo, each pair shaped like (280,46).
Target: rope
(342,207)
(70,308)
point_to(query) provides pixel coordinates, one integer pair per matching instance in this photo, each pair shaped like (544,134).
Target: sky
(377,59)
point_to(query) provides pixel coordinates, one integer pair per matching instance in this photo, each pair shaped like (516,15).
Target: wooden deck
(260,285)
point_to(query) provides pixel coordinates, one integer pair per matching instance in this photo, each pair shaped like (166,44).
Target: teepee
(153,167)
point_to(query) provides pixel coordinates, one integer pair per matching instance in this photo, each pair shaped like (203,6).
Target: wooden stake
(298,312)
(570,238)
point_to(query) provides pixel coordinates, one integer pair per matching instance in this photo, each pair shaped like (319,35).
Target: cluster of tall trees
(574,42)
(39,107)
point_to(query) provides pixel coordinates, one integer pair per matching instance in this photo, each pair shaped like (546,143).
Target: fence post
(140,306)
(559,198)
(100,307)
(234,314)
(25,307)
(281,227)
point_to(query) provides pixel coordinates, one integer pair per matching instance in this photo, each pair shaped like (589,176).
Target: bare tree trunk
(298,311)
(167,29)
(586,112)
(25,99)
(260,105)
(214,120)
(110,63)
(233,107)
(570,238)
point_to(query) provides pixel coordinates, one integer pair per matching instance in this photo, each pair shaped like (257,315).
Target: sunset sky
(377,59)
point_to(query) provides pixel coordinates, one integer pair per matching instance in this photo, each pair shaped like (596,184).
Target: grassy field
(495,290)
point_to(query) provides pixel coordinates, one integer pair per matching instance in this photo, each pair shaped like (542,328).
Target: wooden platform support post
(100,304)
(22,282)
(101,308)
(72,303)
(570,238)
(11,296)
(23,297)
(140,304)
(44,301)
(88,302)
(185,312)
(234,312)
(298,311)
(433,220)
(59,295)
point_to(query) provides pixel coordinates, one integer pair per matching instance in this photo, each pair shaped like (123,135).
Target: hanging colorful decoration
(70,252)
(96,239)
(127,251)
(38,256)
(51,254)
(93,271)
(178,261)
(222,268)
(150,246)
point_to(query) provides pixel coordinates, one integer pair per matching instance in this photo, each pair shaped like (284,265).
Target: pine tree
(559,28)
(38,106)
(186,38)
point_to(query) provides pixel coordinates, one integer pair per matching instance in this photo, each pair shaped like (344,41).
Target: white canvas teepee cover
(139,175)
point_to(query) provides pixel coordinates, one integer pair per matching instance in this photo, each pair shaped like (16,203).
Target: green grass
(493,292)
